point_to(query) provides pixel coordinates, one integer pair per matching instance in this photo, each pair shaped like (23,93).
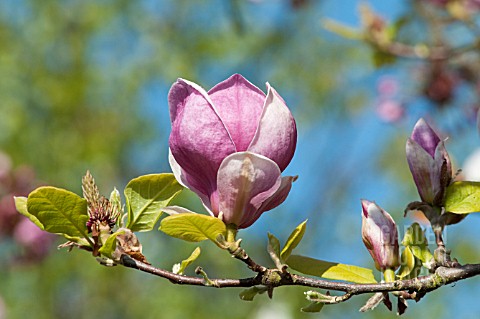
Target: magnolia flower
(429,163)
(229,145)
(379,234)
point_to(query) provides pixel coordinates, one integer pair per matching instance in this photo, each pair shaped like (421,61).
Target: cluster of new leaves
(92,223)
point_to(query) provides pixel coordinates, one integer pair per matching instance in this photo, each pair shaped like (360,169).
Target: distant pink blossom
(390,111)
(387,86)
(36,241)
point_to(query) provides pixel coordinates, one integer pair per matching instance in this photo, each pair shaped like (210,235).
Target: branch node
(208,282)
(106,262)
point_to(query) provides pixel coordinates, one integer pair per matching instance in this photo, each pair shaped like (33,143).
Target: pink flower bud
(229,145)
(379,234)
(429,163)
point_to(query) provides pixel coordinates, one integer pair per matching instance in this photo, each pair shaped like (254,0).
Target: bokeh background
(84,83)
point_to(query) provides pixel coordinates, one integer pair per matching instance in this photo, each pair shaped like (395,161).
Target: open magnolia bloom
(380,236)
(429,163)
(229,145)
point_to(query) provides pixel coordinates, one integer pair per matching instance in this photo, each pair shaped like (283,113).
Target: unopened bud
(380,236)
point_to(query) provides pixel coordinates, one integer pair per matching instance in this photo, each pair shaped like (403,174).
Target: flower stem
(389,275)
(232,230)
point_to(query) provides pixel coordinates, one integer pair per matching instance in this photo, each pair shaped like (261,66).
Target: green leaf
(250,293)
(329,270)
(381,58)
(193,227)
(21,206)
(116,204)
(313,307)
(187,262)
(293,240)
(146,196)
(463,198)
(273,245)
(59,211)
(341,29)
(273,249)
(414,236)
(82,241)
(417,242)
(110,244)
(408,263)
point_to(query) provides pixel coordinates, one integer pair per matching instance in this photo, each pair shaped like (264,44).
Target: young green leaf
(110,244)
(293,240)
(116,205)
(273,245)
(59,211)
(417,242)
(250,293)
(81,241)
(146,196)
(313,307)
(329,270)
(21,206)
(463,198)
(193,227)
(407,261)
(381,58)
(341,29)
(273,249)
(187,262)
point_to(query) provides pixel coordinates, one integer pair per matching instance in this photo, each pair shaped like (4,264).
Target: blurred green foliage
(74,75)
(64,112)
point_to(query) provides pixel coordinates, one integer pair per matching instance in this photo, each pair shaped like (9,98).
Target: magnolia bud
(379,234)
(429,163)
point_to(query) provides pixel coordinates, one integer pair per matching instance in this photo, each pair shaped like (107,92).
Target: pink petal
(381,218)
(177,171)
(425,137)
(421,165)
(276,136)
(273,201)
(182,178)
(239,104)
(245,181)
(180,91)
(365,205)
(441,174)
(199,141)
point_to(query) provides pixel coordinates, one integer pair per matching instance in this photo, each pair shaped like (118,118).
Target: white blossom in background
(471,167)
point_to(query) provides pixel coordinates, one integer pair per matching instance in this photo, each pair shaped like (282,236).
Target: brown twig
(129,262)
(411,288)
(431,53)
